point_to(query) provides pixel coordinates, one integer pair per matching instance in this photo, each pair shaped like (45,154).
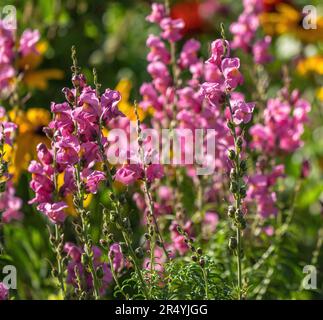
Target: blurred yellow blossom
(319,94)
(124,87)
(313,64)
(29,135)
(288,19)
(37,79)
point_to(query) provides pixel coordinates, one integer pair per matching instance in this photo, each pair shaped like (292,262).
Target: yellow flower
(287,19)
(124,87)
(29,135)
(38,79)
(312,64)
(319,94)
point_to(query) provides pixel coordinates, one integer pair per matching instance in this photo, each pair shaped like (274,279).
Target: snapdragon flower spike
(4,291)
(10,204)
(244,31)
(9,51)
(77,270)
(261,192)
(284,119)
(76,133)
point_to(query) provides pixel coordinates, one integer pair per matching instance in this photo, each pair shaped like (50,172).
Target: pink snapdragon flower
(10,205)
(129,173)
(158,13)
(158,50)
(218,48)
(75,268)
(172,29)
(4,291)
(93,180)
(283,126)
(28,41)
(260,51)
(117,257)
(54,211)
(209,224)
(189,52)
(77,147)
(178,240)
(242,111)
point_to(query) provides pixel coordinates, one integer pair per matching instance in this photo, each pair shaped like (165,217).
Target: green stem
(206,286)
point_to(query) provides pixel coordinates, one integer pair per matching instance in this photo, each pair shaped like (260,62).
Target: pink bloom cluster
(10,205)
(75,133)
(244,31)
(76,269)
(284,119)
(4,291)
(27,43)
(7,128)
(260,190)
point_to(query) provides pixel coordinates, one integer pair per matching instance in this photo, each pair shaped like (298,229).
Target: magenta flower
(109,103)
(172,29)
(158,51)
(129,173)
(73,251)
(116,256)
(44,155)
(160,75)
(93,180)
(230,68)
(4,291)
(210,222)
(154,171)
(75,268)
(28,42)
(178,240)
(213,93)
(10,205)
(189,52)
(218,47)
(150,97)
(67,150)
(260,51)
(54,211)
(158,13)
(242,111)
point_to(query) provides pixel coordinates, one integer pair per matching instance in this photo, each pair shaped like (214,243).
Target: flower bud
(233,174)
(243,166)
(85,259)
(202,262)
(243,191)
(239,142)
(99,272)
(103,243)
(139,252)
(199,251)
(2,186)
(238,215)
(234,187)
(79,80)
(231,212)
(194,258)
(113,217)
(233,243)
(231,154)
